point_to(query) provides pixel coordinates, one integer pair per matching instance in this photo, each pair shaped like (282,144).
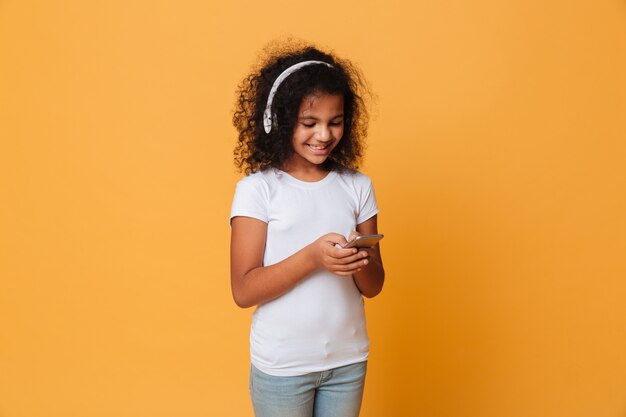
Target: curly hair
(257,150)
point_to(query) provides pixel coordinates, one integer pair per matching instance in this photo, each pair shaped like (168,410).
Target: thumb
(336,239)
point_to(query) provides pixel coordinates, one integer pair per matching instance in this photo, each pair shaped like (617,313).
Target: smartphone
(365,241)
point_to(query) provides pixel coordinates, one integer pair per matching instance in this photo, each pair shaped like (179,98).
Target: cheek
(339,133)
(296,138)
(299,135)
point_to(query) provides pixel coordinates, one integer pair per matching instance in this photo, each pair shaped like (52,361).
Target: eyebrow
(315,118)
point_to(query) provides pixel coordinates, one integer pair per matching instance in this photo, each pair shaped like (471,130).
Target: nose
(324,134)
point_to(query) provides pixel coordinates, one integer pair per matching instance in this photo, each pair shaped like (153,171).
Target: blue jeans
(333,393)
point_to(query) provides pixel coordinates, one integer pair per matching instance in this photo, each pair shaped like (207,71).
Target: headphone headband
(267,114)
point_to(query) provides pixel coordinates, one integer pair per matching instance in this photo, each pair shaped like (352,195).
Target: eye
(335,123)
(308,124)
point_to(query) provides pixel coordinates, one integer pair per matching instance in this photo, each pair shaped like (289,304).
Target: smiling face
(318,131)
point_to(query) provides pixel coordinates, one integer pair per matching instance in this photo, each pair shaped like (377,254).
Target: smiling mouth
(318,147)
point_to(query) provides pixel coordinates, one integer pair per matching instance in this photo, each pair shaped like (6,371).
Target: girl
(301,123)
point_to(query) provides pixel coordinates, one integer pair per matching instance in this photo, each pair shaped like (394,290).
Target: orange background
(497,151)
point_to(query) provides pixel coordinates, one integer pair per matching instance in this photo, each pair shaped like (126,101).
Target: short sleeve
(367,201)
(250,200)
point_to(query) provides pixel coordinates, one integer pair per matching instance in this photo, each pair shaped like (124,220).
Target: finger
(342,253)
(347,273)
(353,258)
(353,266)
(333,262)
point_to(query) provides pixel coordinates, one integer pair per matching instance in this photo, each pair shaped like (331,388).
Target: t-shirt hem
(248,214)
(304,371)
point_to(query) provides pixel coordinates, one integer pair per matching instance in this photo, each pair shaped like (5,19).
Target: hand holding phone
(364,241)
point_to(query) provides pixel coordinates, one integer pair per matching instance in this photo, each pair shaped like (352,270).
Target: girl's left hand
(368,251)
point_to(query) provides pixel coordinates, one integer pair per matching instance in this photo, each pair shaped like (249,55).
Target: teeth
(318,147)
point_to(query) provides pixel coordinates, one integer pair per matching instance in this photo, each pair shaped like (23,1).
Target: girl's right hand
(339,261)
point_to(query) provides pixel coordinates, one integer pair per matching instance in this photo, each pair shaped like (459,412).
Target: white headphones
(267,114)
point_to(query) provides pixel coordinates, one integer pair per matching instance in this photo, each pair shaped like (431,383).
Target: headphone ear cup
(267,121)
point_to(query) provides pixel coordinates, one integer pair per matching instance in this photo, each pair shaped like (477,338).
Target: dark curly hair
(257,150)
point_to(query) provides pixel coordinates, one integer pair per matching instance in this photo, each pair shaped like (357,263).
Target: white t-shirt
(320,323)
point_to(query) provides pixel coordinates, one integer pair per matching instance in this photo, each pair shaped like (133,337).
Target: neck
(313,173)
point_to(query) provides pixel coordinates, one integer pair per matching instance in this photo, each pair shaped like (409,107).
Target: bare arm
(252,283)
(370,279)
